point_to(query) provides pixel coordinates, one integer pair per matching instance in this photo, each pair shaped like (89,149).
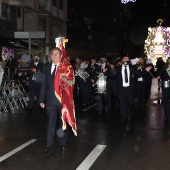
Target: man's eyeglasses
(55,54)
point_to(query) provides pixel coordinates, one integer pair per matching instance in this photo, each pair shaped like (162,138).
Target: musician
(141,82)
(34,88)
(111,86)
(164,75)
(85,84)
(94,66)
(76,86)
(126,84)
(149,77)
(93,63)
(103,103)
(118,61)
(159,65)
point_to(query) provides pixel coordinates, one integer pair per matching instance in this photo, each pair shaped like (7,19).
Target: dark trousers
(111,95)
(147,87)
(102,102)
(140,94)
(34,91)
(93,93)
(166,101)
(76,89)
(54,113)
(85,89)
(125,97)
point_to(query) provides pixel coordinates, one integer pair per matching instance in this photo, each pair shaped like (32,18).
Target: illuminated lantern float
(157,43)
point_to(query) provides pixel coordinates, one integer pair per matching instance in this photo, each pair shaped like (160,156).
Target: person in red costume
(56,96)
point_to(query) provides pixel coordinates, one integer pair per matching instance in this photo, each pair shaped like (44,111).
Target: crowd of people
(119,91)
(126,83)
(86,72)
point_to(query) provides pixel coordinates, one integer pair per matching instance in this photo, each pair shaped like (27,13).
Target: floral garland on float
(157,43)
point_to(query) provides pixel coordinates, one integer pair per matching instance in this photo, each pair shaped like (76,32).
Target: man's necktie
(126,75)
(53,73)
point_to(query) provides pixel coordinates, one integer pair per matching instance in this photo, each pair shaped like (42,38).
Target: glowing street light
(126,1)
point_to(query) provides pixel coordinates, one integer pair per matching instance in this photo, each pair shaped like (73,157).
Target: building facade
(32,16)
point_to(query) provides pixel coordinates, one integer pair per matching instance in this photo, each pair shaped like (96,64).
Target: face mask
(35,60)
(148,62)
(102,61)
(83,65)
(126,62)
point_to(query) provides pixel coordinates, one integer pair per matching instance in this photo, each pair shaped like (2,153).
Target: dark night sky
(94,19)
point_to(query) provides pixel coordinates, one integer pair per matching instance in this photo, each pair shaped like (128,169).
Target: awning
(11,43)
(5,43)
(22,44)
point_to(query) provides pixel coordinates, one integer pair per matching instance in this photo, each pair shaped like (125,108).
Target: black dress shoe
(48,150)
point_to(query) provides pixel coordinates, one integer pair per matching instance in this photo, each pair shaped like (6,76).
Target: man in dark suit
(93,67)
(126,84)
(85,84)
(53,105)
(103,100)
(34,87)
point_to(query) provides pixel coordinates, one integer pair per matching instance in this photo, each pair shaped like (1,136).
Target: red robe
(64,85)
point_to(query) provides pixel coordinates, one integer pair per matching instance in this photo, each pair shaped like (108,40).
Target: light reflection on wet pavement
(142,144)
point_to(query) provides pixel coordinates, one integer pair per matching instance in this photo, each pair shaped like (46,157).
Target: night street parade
(84,85)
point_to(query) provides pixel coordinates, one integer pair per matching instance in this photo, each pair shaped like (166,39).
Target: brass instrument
(82,73)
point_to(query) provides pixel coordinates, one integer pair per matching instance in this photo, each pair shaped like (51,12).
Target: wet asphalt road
(142,145)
